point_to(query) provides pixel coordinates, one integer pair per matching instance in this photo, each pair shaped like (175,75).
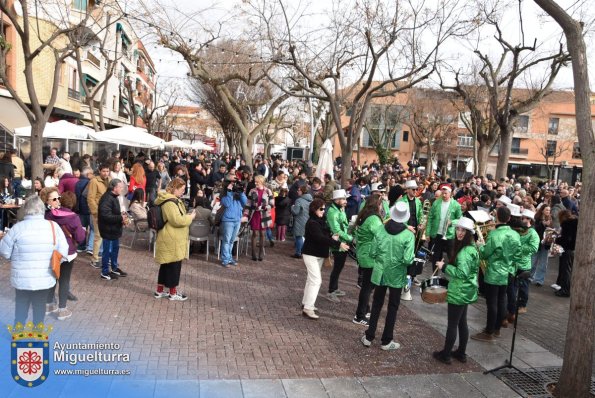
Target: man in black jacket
(111,221)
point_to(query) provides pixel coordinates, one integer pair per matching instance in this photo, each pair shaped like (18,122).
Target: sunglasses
(56,198)
(322,209)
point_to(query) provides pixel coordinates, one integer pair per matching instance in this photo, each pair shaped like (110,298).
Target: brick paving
(239,323)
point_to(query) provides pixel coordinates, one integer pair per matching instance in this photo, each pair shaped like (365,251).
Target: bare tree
(551,150)
(575,378)
(155,110)
(377,44)
(383,123)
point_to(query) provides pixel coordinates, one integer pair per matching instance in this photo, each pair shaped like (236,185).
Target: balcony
(93,59)
(74,94)
(514,151)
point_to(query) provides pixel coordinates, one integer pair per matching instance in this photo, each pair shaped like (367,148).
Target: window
(114,102)
(522,123)
(553,125)
(73,84)
(463,117)
(465,141)
(405,136)
(576,151)
(551,147)
(80,5)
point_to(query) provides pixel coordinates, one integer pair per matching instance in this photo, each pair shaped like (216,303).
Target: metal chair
(200,231)
(140,226)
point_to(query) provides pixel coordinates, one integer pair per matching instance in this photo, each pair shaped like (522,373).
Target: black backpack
(155,215)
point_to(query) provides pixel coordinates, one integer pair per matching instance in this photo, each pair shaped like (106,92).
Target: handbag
(56,256)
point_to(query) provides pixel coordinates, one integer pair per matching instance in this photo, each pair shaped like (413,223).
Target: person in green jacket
(171,245)
(368,220)
(392,252)
(444,213)
(462,290)
(414,223)
(501,251)
(336,219)
(379,190)
(529,246)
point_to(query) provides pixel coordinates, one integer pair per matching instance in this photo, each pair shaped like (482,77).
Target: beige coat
(97,187)
(172,239)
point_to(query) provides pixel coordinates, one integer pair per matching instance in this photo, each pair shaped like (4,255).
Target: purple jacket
(68,221)
(67,183)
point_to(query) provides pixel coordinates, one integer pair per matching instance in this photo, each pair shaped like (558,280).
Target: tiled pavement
(241,334)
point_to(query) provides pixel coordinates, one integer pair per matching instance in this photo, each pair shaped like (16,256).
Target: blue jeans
(522,285)
(269,233)
(539,266)
(16,187)
(299,245)
(111,248)
(228,232)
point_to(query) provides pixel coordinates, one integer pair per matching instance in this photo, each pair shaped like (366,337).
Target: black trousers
(457,321)
(169,274)
(440,246)
(338,264)
(30,298)
(363,302)
(394,299)
(496,302)
(63,285)
(565,270)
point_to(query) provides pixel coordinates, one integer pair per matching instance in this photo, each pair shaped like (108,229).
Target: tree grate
(528,388)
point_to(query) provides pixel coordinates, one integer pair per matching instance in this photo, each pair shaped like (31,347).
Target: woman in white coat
(29,245)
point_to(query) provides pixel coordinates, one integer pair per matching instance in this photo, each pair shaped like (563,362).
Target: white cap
(377,186)
(339,194)
(515,210)
(411,184)
(528,213)
(466,223)
(400,212)
(504,200)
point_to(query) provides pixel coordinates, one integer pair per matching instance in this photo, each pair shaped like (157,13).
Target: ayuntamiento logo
(29,349)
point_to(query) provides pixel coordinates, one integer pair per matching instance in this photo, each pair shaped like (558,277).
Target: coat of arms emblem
(29,349)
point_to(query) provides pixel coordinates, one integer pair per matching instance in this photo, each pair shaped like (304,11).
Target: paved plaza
(241,334)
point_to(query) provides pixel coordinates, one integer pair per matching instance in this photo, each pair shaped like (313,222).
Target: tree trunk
(346,155)
(483,155)
(246,145)
(575,378)
(504,153)
(429,162)
(37,128)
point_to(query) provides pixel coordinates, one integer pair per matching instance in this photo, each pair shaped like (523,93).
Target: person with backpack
(171,245)
(81,191)
(233,203)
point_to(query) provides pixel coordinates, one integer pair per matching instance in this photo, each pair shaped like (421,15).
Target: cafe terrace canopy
(59,129)
(130,136)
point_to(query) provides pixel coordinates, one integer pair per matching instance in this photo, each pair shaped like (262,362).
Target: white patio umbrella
(199,145)
(177,144)
(130,136)
(325,160)
(58,129)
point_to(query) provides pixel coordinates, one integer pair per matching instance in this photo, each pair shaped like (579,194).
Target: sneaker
(365,341)
(459,357)
(64,313)
(339,293)
(271,243)
(497,333)
(393,345)
(95,264)
(225,265)
(50,308)
(298,256)
(108,276)
(80,250)
(332,297)
(90,252)
(439,356)
(234,263)
(310,314)
(178,297)
(560,293)
(363,322)
(119,272)
(368,315)
(522,310)
(113,275)
(416,282)
(483,336)
(556,287)
(159,295)
(71,297)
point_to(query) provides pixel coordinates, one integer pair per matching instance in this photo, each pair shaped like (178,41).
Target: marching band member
(443,215)
(501,251)
(414,225)
(379,190)
(462,290)
(517,226)
(368,220)
(392,252)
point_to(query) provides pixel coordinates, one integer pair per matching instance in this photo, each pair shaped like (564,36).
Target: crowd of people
(384,217)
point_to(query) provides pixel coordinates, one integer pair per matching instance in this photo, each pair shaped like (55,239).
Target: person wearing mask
(300,212)
(368,220)
(442,218)
(392,252)
(501,251)
(567,239)
(171,245)
(28,246)
(59,210)
(462,270)
(98,186)
(315,251)
(338,224)
(233,203)
(260,203)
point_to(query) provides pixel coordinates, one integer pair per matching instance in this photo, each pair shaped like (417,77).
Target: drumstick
(436,270)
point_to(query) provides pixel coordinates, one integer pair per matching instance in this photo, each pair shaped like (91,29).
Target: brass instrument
(424,218)
(482,230)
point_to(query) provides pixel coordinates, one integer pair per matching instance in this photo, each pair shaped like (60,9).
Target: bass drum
(434,290)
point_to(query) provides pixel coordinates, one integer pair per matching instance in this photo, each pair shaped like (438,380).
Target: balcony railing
(74,94)
(93,59)
(519,151)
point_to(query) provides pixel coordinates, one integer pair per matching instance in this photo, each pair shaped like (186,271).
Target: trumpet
(424,218)
(482,231)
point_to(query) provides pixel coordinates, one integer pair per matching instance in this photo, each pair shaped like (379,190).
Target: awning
(58,129)
(11,114)
(129,136)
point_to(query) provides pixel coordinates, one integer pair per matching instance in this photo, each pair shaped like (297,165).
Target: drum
(434,290)
(417,267)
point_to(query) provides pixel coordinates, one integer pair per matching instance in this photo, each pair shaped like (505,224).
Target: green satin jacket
(365,240)
(462,285)
(418,207)
(336,218)
(502,252)
(454,213)
(529,246)
(385,207)
(392,254)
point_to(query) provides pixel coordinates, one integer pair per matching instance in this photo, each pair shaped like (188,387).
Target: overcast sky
(535,25)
